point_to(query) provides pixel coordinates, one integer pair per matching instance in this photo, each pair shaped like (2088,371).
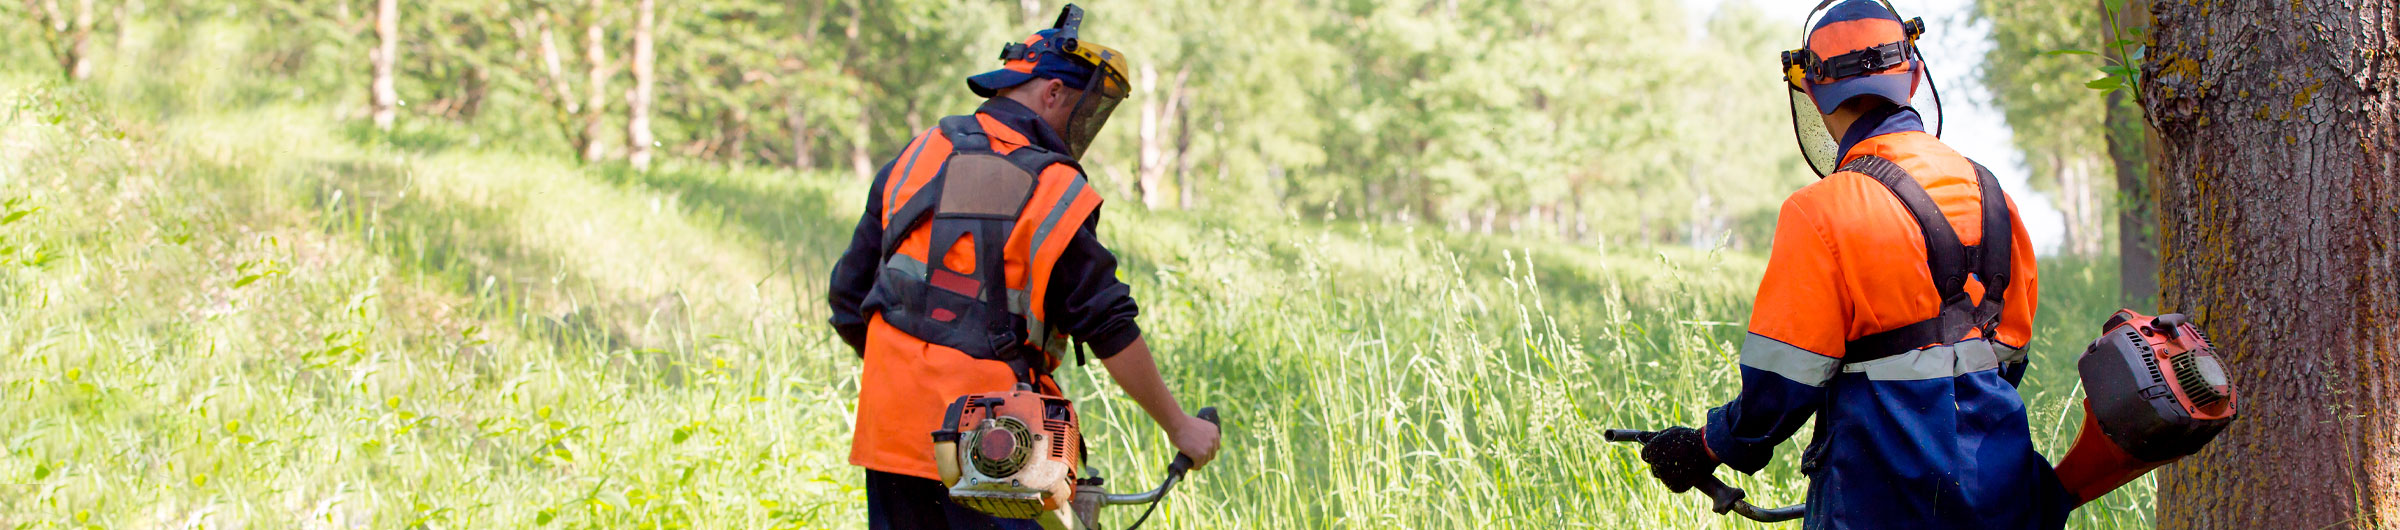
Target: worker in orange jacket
(976,262)
(1896,307)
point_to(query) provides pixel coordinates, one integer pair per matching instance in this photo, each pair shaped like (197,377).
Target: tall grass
(256,316)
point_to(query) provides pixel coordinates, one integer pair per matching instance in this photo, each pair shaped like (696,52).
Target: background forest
(1511,116)
(289,263)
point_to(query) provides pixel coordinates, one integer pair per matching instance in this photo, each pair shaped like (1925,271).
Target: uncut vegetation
(228,303)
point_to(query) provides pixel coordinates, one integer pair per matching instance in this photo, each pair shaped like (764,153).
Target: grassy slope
(259,317)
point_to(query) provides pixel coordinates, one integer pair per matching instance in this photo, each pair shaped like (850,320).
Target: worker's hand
(1679,458)
(1196,438)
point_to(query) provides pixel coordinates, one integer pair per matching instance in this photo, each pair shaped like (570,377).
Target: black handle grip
(1183,462)
(1724,494)
(1724,497)
(1627,435)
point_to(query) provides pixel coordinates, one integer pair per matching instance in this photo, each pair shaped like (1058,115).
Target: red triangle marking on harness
(943,315)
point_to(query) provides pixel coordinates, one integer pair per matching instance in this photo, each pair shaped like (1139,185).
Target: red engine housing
(2155,392)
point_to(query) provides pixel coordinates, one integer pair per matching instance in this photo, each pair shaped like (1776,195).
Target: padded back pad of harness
(985,185)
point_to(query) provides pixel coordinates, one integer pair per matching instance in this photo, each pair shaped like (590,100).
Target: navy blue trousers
(902,502)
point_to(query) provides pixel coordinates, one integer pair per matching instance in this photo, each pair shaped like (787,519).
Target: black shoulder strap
(1995,251)
(1947,260)
(1945,257)
(965,133)
(1999,235)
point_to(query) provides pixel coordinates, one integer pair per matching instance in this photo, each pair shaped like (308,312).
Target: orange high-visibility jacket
(1917,425)
(975,217)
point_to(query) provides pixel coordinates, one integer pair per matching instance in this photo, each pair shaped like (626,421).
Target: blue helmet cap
(1851,26)
(1038,57)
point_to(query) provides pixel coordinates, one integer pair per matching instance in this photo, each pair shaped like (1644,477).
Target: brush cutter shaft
(1726,497)
(1175,470)
(1121,499)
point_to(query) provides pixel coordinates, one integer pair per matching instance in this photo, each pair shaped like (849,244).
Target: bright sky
(1954,49)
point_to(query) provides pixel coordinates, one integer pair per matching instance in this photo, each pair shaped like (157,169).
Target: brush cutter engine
(1022,456)
(2155,392)
(1021,451)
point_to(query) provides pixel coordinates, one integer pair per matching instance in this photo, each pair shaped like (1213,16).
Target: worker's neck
(1879,121)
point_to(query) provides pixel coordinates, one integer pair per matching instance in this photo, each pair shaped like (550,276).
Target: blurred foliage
(1624,122)
(2042,78)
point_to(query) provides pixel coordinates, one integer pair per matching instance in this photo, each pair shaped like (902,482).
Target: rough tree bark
(384,96)
(637,112)
(2279,225)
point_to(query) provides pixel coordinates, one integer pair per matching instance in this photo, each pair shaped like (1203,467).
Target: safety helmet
(1860,48)
(1060,53)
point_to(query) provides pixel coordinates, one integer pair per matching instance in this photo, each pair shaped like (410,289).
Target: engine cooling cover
(2155,392)
(1022,451)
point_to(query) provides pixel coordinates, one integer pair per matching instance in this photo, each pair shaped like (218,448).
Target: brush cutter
(1727,497)
(2154,392)
(1024,460)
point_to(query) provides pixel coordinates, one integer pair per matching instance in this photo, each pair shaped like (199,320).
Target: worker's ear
(1054,94)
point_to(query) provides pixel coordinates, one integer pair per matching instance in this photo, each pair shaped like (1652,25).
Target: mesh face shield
(1817,143)
(1101,94)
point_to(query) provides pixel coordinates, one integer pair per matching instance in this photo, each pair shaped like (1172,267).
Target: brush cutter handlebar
(1175,471)
(1727,498)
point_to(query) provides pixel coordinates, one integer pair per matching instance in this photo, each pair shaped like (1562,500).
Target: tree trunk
(637,105)
(860,162)
(1184,186)
(1152,158)
(2279,225)
(79,45)
(795,117)
(385,97)
(2137,254)
(596,74)
(560,91)
(68,39)
(2130,145)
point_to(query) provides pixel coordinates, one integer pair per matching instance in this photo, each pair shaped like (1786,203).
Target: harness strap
(1999,241)
(1948,262)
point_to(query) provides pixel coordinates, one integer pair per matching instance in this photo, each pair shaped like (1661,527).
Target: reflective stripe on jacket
(1934,437)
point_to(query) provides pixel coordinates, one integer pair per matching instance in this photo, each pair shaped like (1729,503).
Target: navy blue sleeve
(1771,408)
(1086,299)
(854,274)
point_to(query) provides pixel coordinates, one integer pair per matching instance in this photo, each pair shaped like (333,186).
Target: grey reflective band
(1019,302)
(1938,362)
(1792,362)
(904,170)
(1051,221)
(2008,354)
(906,265)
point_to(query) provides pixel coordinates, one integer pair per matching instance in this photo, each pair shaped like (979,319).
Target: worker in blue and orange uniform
(1896,307)
(974,264)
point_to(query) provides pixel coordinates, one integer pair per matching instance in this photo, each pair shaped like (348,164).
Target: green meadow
(225,306)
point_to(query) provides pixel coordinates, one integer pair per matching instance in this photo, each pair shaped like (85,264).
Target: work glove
(1679,458)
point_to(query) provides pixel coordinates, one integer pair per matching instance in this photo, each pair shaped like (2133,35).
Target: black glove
(1679,458)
